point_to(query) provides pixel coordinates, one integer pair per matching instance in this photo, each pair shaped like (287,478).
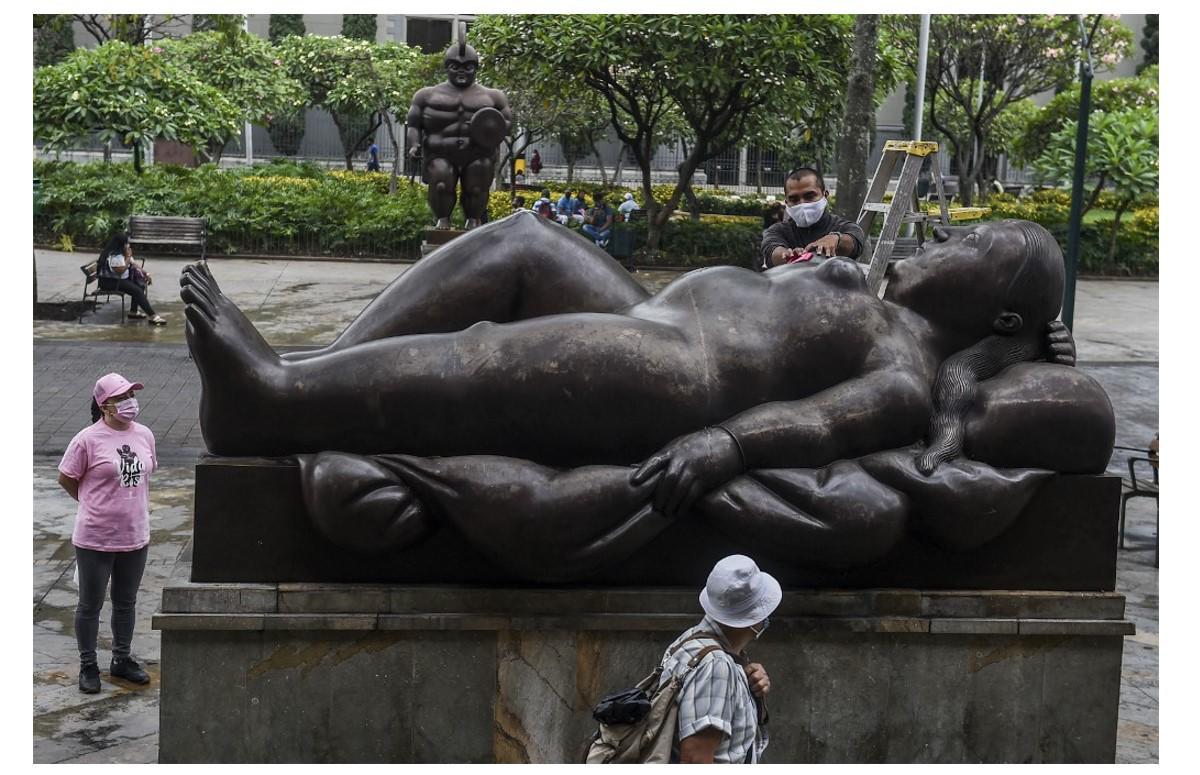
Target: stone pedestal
(387,673)
(435,238)
(251,525)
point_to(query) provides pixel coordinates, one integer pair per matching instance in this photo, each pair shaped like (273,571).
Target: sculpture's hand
(1060,345)
(691,466)
(760,682)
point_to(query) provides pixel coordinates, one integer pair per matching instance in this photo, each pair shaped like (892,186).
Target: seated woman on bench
(116,271)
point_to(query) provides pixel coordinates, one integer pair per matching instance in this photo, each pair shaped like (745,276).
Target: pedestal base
(251,526)
(357,673)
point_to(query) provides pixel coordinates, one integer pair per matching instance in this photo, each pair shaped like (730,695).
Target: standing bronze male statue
(458,125)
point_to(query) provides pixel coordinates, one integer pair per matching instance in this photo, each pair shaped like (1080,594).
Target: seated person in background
(567,204)
(598,223)
(809,226)
(628,206)
(518,203)
(581,207)
(544,205)
(115,271)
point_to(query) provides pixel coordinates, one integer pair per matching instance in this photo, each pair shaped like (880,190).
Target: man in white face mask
(810,232)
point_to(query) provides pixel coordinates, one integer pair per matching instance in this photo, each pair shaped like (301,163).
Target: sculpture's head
(461,63)
(1000,277)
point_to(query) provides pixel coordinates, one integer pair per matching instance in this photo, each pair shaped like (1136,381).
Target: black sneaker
(128,669)
(89,678)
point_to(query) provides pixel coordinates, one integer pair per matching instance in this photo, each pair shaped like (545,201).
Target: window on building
(432,36)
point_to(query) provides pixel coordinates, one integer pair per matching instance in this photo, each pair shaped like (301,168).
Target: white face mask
(806,214)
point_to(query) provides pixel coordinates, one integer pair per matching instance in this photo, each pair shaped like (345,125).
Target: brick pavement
(63,376)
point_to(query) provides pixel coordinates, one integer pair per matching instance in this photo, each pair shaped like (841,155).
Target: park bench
(91,277)
(169,230)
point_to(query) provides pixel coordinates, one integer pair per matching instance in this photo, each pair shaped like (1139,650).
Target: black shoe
(89,678)
(128,669)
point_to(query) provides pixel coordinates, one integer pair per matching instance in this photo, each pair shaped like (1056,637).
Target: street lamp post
(1081,135)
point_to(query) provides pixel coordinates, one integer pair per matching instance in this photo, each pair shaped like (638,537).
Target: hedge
(298,208)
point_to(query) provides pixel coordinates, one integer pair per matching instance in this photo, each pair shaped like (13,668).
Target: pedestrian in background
(107,468)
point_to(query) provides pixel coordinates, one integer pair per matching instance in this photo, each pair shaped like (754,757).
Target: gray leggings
(95,569)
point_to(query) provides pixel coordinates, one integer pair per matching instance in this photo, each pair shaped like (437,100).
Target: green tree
(982,63)
(1115,95)
(128,93)
(280,25)
(132,28)
(247,70)
(1122,154)
(53,39)
(1149,43)
(729,77)
(286,129)
(216,22)
(351,78)
(360,26)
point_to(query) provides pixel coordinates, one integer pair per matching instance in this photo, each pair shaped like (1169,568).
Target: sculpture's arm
(880,410)
(413,121)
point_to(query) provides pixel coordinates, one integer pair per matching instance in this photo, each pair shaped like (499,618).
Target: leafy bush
(275,208)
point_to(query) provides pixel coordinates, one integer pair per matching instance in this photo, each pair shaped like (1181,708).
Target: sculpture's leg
(476,178)
(516,268)
(491,389)
(440,174)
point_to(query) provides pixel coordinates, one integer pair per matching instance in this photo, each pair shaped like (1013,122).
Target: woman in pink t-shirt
(107,468)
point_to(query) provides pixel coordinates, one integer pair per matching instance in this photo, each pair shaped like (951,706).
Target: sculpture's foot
(442,223)
(472,223)
(242,376)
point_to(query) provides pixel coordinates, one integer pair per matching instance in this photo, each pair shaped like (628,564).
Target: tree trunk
(599,163)
(1116,227)
(570,169)
(693,203)
(858,118)
(393,181)
(214,150)
(137,157)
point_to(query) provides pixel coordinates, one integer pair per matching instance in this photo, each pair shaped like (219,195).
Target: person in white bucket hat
(721,711)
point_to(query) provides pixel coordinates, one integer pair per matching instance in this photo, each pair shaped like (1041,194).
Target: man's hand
(760,682)
(414,151)
(1060,345)
(691,466)
(824,246)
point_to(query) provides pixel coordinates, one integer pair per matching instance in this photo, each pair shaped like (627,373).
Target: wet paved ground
(301,303)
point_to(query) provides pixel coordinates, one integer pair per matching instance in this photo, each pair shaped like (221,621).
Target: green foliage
(1122,153)
(281,207)
(281,25)
(728,78)
(691,244)
(130,94)
(246,69)
(1111,96)
(1004,129)
(1149,43)
(216,22)
(53,41)
(1020,56)
(359,26)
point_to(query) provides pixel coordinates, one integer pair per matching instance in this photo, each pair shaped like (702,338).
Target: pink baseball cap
(112,384)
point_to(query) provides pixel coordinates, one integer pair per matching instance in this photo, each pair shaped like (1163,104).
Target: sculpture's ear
(1007,323)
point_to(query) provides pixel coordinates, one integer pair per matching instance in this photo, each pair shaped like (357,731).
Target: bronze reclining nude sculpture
(519,385)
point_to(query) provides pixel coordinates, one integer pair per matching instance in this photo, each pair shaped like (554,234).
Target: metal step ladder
(904,207)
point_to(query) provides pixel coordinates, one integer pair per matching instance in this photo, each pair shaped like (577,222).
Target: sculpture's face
(461,73)
(961,275)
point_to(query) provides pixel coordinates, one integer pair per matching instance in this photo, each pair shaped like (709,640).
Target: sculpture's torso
(446,112)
